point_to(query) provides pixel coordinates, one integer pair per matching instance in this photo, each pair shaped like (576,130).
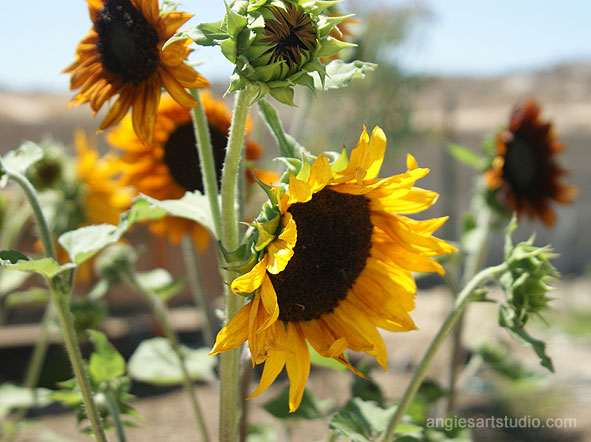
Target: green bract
(274,44)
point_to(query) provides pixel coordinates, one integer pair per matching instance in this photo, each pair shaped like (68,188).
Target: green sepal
(241,260)
(267,189)
(308,81)
(318,7)
(204,34)
(283,95)
(304,172)
(228,48)
(327,24)
(234,22)
(331,46)
(340,163)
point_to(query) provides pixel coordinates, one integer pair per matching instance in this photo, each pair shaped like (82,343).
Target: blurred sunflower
(169,166)
(92,194)
(524,171)
(122,55)
(339,266)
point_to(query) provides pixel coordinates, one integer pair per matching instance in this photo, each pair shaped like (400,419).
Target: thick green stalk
(159,309)
(206,160)
(201,301)
(60,292)
(230,401)
(462,300)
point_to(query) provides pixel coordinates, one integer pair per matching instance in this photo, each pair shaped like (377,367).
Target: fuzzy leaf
(339,74)
(374,417)
(349,425)
(83,243)
(156,363)
(106,363)
(205,34)
(13,397)
(45,266)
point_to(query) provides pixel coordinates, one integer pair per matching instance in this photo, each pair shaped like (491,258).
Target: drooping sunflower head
(169,166)
(122,55)
(524,174)
(334,264)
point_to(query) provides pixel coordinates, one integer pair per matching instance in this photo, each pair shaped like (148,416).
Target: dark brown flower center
(333,244)
(127,42)
(522,167)
(180,155)
(289,34)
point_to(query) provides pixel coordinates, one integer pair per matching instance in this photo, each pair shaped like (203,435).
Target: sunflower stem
(115,412)
(206,160)
(230,402)
(195,283)
(462,300)
(474,263)
(60,294)
(159,309)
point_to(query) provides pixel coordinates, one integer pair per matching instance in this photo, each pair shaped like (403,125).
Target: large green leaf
(310,407)
(83,243)
(155,362)
(350,426)
(13,397)
(106,363)
(13,260)
(374,417)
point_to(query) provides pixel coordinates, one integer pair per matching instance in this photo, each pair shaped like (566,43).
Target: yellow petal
(269,300)
(276,358)
(411,163)
(299,191)
(375,154)
(234,332)
(298,365)
(320,174)
(252,280)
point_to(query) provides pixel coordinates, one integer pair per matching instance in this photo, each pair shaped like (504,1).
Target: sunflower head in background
(524,174)
(169,166)
(335,263)
(78,191)
(122,55)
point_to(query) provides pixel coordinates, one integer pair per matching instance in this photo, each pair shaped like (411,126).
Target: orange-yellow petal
(298,365)
(252,280)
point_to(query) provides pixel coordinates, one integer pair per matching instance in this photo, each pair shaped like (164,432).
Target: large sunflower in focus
(169,166)
(122,55)
(524,170)
(338,268)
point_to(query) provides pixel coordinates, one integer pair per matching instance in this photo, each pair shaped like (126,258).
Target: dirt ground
(565,394)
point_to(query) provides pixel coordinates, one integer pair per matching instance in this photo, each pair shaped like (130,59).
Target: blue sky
(38,38)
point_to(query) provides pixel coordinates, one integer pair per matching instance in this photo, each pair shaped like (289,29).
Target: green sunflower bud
(275,44)
(115,262)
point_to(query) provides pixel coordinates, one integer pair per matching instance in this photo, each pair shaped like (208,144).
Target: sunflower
(524,172)
(169,166)
(95,197)
(339,266)
(122,55)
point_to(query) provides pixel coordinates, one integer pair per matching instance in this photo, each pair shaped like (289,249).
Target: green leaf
(21,159)
(467,156)
(155,362)
(310,407)
(45,266)
(13,396)
(106,363)
(33,295)
(366,389)
(261,433)
(10,281)
(508,319)
(83,243)
(349,425)
(332,46)
(160,282)
(375,418)
(12,256)
(339,74)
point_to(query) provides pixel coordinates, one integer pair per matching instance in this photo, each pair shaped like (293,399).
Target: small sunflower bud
(115,261)
(274,44)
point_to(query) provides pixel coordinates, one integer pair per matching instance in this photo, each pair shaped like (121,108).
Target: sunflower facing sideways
(122,55)
(169,166)
(524,173)
(337,266)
